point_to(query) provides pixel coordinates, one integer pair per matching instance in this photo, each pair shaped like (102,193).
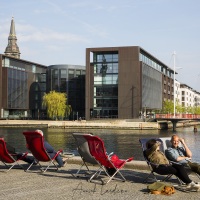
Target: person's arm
(188,153)
(173,155)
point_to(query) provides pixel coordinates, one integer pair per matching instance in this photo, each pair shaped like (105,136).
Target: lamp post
(174,85)
(174,54)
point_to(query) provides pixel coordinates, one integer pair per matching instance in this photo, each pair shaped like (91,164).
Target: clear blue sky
(58,32)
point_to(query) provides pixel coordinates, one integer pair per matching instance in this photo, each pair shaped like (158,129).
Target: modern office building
(21,87)
(71,80)
(125,82)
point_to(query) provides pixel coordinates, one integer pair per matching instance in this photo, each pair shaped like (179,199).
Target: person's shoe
(64,163)
(193,186)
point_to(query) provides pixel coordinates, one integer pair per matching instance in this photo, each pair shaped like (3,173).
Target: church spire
(12,48)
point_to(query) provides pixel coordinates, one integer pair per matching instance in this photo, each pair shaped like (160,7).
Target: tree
(168,107)
(179,107)
(56,104)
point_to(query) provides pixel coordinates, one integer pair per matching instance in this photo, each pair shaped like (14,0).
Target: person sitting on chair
(163,167)
(50,150)
(18,155)
(181,154)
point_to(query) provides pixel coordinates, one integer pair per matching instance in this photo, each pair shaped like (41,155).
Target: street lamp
(174,54)
(174,85)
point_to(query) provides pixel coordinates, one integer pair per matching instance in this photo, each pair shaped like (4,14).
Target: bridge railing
(185,116)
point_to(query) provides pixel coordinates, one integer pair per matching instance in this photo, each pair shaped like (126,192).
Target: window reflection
(105,84)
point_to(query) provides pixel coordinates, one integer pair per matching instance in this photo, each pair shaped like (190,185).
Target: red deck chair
(98,151)
(7,158)
(83,150)
(35,143)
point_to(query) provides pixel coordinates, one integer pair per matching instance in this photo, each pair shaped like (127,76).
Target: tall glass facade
(17,89)
(156,65)
(151,88)
(69,79)
(26,84)
(105,85)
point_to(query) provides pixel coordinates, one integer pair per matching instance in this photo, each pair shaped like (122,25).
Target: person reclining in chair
(164,167)
(181,154)
(50,150)
(18,155)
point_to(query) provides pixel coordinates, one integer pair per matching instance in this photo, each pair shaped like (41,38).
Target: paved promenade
(17,184)
(83,124)
(119,124)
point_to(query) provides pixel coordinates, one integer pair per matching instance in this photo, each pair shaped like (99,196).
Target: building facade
(21,87)
(125,82)
(189,97)
(71,80)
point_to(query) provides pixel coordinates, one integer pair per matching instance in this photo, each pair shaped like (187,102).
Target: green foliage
(197,110)
(168,107)
(56,104)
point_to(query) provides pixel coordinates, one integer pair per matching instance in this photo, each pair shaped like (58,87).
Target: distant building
(21,87)
(71,80)
(189,97)
(178,96)
(125,82)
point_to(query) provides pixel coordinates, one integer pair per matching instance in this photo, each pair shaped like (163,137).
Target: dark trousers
(50,150)
(28,159)
(175,169)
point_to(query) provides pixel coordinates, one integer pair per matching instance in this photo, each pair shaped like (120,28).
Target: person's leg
(171,169)
(182,173)
(48,147)
(50,150)
(165,170)
(28,159)
(195,167)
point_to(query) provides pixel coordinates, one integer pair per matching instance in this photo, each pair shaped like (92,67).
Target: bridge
(178,117)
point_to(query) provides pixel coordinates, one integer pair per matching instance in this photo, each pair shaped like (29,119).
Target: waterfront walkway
(94,124)
(17,184)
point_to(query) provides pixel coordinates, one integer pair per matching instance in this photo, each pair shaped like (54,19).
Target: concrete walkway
(17,184)
(83,124)
(118,124)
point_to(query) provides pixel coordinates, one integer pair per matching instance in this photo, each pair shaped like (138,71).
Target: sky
(53,32)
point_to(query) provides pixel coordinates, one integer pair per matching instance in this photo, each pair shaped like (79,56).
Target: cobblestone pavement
(17,184)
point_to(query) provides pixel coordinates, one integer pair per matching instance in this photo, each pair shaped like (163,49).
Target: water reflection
(122,142)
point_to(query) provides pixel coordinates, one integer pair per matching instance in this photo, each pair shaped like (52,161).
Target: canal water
(125,143)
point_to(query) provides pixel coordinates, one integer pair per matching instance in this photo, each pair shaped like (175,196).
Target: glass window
(99,58)
(115,57)
(7,62)
(17,89)
(33,68)
(78,73)
(63,73)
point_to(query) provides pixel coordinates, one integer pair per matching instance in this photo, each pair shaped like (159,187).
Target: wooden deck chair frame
(98,151)
(35,144)
(152,166)
(166,144)
(84,152)
(7,158)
